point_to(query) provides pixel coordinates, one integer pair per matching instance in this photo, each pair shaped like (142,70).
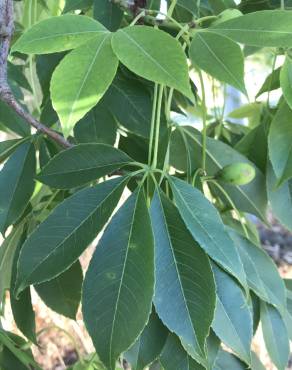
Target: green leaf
(220,57)
(154,55)
(10,120)
(63,293)
(149,345)
(174,357)
(227,361)
(97,126)
(67,231)
(130,102)
(249,198)
(280,198)
(119,283)
(261,273)
(76,4)
(16,184)
(262,28)
(81,164)
(7,147)
(22,309)
(286,80)
(272,82)
(275,335)
(212,348)
(184,289)
(7,251)
(58,34)
(81,79)
(280,138)
(108,13)
(233,321)
(204,223)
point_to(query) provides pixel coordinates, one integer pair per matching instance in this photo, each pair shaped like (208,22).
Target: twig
(6,95)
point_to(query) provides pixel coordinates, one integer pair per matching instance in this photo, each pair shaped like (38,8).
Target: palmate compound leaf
(66,232)
(204,223)
(262,28)
(81,164)
(219,56)
(174,357)
(233,320)
(261,273)
(275,335)
(16,184)
(149,345)
(59,33)
(81,79)
(154,55)
(184,290)
(119,283)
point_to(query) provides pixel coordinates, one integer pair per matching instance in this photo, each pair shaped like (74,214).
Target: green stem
(139,16)
(283,4)
(157,126)
(214,182)
(207,18)
(204,121)
(171,8)
(152,127)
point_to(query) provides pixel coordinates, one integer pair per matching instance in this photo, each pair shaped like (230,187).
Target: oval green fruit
(236,174)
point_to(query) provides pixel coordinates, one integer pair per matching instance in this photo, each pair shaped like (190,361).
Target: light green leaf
(119,283)
(220,57)
(184,290)
(280,198)
(174,357)
(280,142)
(233,320)
(249,198)
(149,345)
(154,55)
(58,34)
(16,184)
(262,28)
(81,79)
(272,82)
(67,231)
(275,335)
(63,293)
(286,80)
(204,223)
(81,164)
(261,273)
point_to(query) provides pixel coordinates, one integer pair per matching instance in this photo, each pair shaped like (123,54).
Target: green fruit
(236,174)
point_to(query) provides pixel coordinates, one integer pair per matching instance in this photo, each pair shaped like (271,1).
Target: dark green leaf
(233,320)
(8,147)
(275,335)
(119,282)
(227,361)
(174,357)
(63,293)
(81,164)
(66,232)
(108,13)
(76,4)
(272,82)
(220,57)
(280,137)
(10,120)
(154,55)
(261,273)
(149,345)
(204,222)
(16,184)
(98,126)
(58,34)
(184,290)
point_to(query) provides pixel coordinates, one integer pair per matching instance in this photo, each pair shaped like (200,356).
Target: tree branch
(6,95)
